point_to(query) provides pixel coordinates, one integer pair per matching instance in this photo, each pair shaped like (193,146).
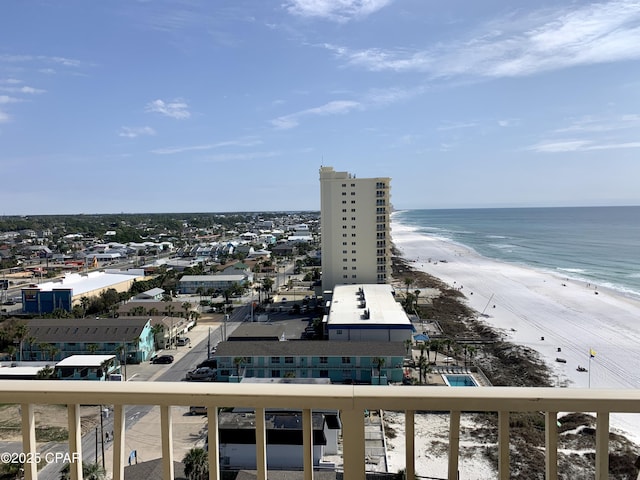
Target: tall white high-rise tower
(356,241)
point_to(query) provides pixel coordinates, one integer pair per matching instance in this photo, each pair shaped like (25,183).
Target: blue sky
(233,105)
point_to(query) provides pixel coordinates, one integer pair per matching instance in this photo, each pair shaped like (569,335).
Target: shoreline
(542,311)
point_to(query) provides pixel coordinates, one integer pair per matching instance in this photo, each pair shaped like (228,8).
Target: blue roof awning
(421,337)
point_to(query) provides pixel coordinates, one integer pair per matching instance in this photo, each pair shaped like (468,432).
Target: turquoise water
(600,245)
(460,381)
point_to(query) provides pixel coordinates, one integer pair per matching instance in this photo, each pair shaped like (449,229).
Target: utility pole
(209,345)
(101,436)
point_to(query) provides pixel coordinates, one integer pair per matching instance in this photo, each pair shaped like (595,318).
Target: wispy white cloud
(192,148)
(62,61)
(177,109)
(26,89)
(335,10)
(133,132)
(520,45)
(571,145)
(4,99)
(594,124)
(241,157)
(336,107)
(4,117)
(457,125)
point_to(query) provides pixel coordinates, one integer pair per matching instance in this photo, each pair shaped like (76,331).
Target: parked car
(163,359)
(209,362)
(202,374)
(182,341)
(197,410)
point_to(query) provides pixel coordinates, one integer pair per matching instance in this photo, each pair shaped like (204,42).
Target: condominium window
(354,268)
(344,193)
(346,359)
(344,210)
(354,276)
(345,268)
(344,252)
(344,201)
(353,184)
(353,243)
(344,185)
(345,276)
(353,235)
(344,259)
(344,219)
(353,251)
(353,201)
(324,373)
(288,359)
(353,219)
(353,193)
(275,359)
(344,243)
(324,359)
(275,373)
(353,210)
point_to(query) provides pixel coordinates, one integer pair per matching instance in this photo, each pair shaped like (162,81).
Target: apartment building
(356,241)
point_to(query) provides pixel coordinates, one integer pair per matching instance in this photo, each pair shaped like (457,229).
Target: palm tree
(408,343)
(92,348)
(238,362)
(267,285)
(155,330)
(435,345)
(407,283)
(423,368)
(186,306)
(45,373)
(196,464)
(21,332)
(154,311)
(84,303)
(379,363)
(90,471)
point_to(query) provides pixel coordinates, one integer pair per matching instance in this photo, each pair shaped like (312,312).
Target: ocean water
(598,245)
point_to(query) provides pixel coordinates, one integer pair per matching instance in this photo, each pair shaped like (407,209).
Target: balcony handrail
(352,400)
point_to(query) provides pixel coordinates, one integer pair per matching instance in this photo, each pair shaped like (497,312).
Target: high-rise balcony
(351,401)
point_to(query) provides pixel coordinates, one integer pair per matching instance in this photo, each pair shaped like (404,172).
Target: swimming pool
(460,380)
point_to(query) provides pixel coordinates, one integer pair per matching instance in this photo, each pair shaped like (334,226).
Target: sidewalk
(188,431)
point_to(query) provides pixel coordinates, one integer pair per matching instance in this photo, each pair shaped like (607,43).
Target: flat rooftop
(83,283)
(350,302)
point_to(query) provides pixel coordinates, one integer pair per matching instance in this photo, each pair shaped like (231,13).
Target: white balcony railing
(352,401)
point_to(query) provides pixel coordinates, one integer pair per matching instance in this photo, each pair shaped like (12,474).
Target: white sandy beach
(531,305)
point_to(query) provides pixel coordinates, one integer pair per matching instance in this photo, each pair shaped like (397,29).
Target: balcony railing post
(214,441)
(75,440)
(454,444)
(307,443)
(166,431)
(353,444)
(410,443)
(602,446)
(261,445)
(551,445)
(118,442)
(29,440)
(503,445)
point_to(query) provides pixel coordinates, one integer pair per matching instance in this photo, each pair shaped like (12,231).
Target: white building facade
(356,240)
